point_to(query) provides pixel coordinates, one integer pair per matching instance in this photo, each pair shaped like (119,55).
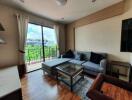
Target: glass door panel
(50,43)
(41,45)
(33,48)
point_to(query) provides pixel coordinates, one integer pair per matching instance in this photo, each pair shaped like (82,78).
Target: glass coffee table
(70,74)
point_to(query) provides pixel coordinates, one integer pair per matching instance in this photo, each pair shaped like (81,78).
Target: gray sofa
(89,67)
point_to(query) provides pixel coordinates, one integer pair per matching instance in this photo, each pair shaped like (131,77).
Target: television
(126,36)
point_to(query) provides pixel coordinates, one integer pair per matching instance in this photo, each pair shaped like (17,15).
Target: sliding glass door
(40,46)
(50,43)
(33,49)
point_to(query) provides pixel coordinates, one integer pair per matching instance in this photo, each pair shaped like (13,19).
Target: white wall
(104,36)
(8,51)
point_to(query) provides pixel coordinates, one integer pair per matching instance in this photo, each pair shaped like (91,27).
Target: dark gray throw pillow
(82,57)
(68,54)
(95,58)
(79,56)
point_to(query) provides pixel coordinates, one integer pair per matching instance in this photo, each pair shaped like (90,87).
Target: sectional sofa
(89,67)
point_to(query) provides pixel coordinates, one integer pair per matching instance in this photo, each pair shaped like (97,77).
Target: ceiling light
(22,1)
(2,41)
(93,0)
(61,2)
(62,18)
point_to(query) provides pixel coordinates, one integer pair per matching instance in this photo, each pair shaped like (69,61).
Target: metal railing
(36,55)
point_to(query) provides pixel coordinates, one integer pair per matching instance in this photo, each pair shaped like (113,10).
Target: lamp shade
(1,27)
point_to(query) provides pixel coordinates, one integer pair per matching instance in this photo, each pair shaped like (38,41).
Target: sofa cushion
(92,66)
(86,55)
(96,58)
(55,62)
(76,62)
(79,56)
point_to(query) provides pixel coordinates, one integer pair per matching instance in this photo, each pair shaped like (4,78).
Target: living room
(79,48)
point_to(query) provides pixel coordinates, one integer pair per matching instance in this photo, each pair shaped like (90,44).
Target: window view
(36,50)
(50,43)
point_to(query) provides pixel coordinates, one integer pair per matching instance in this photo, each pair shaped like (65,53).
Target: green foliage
(35,52)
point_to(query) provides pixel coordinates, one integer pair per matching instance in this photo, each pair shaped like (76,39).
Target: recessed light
(93,0)
(61,2)
(62,18)
(22,1)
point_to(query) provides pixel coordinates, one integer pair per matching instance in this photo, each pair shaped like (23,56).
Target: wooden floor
(115,92)
(36,86)
(32,67)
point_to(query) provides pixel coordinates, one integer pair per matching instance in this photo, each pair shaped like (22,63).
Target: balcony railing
(36,55)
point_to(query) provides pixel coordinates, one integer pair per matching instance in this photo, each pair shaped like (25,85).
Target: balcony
(34,56)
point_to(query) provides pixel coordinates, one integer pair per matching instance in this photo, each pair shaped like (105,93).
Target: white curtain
(22,21)
(56,28)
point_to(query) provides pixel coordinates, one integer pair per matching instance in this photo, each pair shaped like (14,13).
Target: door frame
(42,35)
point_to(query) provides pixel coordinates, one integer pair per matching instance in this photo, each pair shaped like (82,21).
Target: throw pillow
(95,58)
(77,56)
(82,57)
(68,54)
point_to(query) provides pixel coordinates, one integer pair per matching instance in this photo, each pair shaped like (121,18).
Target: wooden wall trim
(114,10)
(70,37)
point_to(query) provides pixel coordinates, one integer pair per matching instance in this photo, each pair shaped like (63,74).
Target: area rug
(82,87)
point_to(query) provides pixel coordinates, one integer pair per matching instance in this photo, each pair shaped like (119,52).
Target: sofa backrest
(88,54)
(103,54)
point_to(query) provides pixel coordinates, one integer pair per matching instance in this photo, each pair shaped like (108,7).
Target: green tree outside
(35,52)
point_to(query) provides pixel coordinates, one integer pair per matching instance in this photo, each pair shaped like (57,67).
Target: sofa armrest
(103,64)
(94,92)
(96,95)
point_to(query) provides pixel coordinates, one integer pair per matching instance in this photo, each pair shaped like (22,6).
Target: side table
(119,65)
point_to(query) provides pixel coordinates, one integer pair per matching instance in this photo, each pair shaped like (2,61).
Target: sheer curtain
(56,28)
(22,22)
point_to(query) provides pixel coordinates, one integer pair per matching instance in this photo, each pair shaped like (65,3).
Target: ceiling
(73,10)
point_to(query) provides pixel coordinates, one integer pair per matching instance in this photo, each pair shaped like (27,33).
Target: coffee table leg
(83,74)
(43,71)
(57,77)
(71,84)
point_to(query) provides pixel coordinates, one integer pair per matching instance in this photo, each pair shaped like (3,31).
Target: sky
(34,32)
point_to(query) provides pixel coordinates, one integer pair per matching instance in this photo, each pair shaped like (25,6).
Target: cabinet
(121,70)
(10,87)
